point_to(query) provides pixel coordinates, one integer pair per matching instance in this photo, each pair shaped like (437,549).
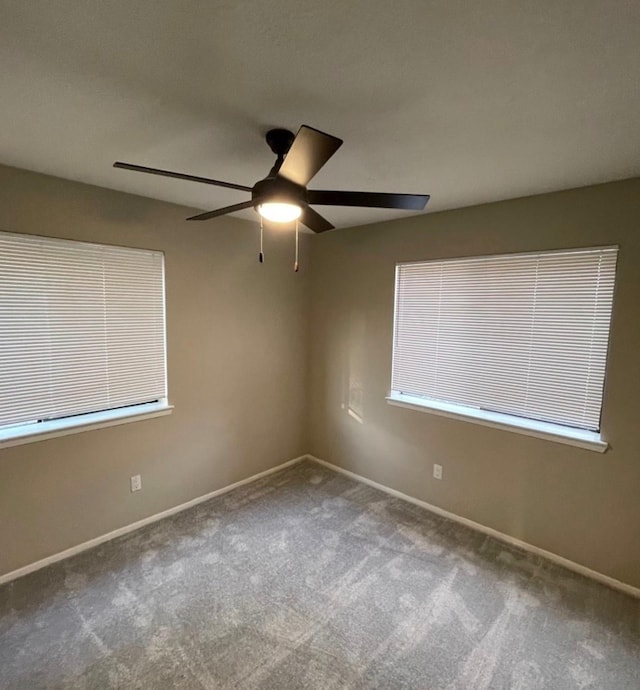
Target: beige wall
(240,370)
(576,503)
(237,343)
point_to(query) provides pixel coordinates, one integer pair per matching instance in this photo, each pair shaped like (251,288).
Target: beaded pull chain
(296,266)
(261,255)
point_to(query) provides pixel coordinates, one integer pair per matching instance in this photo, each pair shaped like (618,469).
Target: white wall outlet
(136,482)
(437,471)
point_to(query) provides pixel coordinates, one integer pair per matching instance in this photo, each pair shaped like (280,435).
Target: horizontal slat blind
(82,328)
(521,334)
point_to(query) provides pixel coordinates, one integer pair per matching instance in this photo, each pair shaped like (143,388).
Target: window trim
(34,431)
(41,431)
(589,440)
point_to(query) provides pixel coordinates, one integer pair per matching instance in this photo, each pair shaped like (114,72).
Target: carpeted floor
(307,579)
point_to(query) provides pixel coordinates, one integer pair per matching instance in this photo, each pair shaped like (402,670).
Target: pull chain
(261,255)
(296,265)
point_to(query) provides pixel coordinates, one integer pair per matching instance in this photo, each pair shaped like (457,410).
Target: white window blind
(520,334)
(82,328)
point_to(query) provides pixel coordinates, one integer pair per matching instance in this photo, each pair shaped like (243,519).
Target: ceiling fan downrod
(279,141)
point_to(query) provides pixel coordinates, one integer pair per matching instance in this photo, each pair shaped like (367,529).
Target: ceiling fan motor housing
(278,190)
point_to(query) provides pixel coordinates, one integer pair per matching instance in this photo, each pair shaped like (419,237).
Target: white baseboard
(566,563)
(32,567)
(570,565)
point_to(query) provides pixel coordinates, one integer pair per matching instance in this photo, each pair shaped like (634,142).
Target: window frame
(582,438)
(590,440)
(39,430)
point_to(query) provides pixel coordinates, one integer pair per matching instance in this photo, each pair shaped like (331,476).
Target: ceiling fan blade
(310,150)
(408,202)
(314,221)
(224,211)
(180,176)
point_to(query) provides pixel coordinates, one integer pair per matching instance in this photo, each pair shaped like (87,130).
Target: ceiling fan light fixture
(279,212)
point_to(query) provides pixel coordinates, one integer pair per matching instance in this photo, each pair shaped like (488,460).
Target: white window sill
(590,440)
(32,433)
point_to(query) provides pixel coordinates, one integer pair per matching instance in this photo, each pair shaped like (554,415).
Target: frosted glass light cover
(279,212)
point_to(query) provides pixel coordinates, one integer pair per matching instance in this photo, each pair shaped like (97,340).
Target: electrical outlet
(136,482)
(437,471)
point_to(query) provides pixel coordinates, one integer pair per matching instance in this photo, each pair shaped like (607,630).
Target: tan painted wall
(237,343)
(237,355)
(576,503)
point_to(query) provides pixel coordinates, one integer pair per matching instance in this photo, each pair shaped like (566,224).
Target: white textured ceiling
(468,101)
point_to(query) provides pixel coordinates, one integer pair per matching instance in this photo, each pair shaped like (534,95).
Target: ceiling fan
(282,196)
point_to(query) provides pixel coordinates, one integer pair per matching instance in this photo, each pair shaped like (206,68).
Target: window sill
(590,440)
(32,433)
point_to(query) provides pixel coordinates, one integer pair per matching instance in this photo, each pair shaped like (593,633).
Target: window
(82,333)
(514,340)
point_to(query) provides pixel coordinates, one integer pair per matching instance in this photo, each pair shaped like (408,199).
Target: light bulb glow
(279,212)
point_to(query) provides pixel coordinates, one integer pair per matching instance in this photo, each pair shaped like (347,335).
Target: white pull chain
(296,265)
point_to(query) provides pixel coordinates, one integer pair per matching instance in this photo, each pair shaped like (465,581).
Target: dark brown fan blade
(314,221)
(224,211)
(310,150)
(180,176)
(408,202)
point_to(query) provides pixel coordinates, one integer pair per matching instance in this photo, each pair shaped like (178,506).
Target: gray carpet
(306,579)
